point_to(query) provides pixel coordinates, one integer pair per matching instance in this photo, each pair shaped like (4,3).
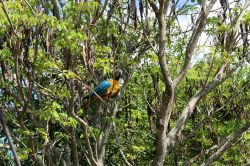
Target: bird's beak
(121,82)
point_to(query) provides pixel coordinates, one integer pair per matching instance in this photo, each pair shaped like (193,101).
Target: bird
(105,90)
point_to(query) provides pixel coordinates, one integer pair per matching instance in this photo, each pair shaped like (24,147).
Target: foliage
(49,63)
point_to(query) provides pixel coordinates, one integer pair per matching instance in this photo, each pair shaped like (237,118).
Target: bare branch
(56,8)
(235,26)
(100,13)
(118,143)
(171,136)
(32,10)
(8,136)
(7,15)
(225,145)
(82,122)
(154,7)
(199,26)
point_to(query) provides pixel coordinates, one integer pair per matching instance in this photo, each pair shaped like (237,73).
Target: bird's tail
(89,96)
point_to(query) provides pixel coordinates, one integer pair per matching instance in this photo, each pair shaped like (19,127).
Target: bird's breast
(112,90)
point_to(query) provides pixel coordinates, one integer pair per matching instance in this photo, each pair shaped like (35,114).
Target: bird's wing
(100,89)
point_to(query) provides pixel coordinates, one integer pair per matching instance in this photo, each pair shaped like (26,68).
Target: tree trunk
(102,144)
(161,129)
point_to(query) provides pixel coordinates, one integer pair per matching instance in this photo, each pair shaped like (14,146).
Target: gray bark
(219,78)
(199,26)
(74,148)
(163,116)
(230,141)
(188,110)
(103,139)
(84,124)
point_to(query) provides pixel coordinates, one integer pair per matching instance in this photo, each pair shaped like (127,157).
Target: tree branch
(59,157)
(154,7)
(102,140)
(30,7)
(195,158)
(163,116)
(5,146)
(199,26)
(100,13)
(74,148)
(8,136)
(7,15)
(226,144)
(82,122)
(188,110)
(118,143)
(234,29)
(56,9)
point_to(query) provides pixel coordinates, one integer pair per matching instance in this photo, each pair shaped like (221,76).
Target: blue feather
(100,89)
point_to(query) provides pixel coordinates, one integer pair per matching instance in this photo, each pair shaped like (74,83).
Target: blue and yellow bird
(105,90)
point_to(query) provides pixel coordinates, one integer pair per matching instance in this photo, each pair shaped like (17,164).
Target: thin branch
(150,43)
(218,79)
(8,136)
(199,26)
(56,8)
(118,143)
(30,7)
(82,122)
(236,24)
(203,153)
(7,15)
(110,12)
(154,7)
(5,146)
(100,13)
(59,157)
(145,96)
(224,145)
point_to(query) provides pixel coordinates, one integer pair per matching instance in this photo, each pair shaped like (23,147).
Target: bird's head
(118,75)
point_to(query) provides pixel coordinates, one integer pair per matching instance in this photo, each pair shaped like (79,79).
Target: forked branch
(198,28)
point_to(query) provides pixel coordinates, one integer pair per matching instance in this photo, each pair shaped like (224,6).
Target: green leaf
(43,134)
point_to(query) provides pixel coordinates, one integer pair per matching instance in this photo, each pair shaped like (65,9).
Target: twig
(82,122)
(4,146)
(118,143)
(152,46)
(125,106)
(7,15)
(7,133)
(30,8)
(100,14)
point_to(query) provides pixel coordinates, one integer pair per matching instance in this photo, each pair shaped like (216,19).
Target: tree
(53,52)
(163,140)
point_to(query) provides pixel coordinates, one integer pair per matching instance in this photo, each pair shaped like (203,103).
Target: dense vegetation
(184,98)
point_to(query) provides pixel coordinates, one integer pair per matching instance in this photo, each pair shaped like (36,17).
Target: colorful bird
(105,90)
